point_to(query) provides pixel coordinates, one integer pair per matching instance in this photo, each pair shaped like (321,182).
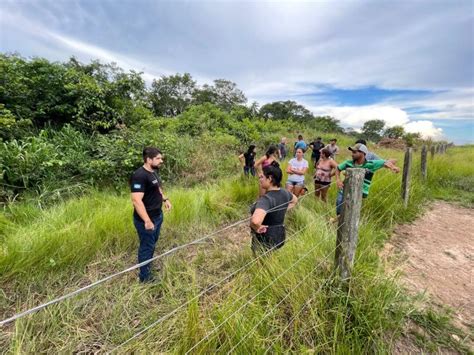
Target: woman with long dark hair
(270,158)
(268,213)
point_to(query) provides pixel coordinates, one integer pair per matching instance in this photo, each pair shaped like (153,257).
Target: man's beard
(155,167)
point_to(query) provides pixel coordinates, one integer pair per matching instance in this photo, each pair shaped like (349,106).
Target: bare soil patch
(436,256)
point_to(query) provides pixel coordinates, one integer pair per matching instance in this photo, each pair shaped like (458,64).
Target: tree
(171,95)
(411,139)
(373,129)
(394,132)
(283,110)
(223,94)
(253,109)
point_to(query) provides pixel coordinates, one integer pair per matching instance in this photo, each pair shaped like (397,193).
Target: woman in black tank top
(268,213)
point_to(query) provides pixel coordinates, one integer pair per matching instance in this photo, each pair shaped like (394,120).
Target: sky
(410,63)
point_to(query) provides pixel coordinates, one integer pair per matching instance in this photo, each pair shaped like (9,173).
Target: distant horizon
(395,61)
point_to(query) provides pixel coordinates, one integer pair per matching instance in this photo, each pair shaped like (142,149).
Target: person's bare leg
(289,188)
(324,194)
(317,191)
(298,190)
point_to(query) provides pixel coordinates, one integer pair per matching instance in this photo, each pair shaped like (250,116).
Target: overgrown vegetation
(72,128)
(67,124)
(100,240)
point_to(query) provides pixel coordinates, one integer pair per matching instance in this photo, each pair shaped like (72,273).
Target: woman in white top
(297,167)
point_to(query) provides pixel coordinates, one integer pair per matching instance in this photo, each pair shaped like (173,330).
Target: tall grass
(84,239)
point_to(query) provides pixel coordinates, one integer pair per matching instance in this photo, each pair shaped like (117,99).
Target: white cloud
(426,128)
(272,50)
(356,116)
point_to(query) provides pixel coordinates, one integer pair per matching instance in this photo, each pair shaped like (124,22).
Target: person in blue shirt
(301,144)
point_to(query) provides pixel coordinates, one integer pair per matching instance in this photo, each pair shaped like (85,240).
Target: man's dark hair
(361,141)
(300,137)
(275,173)
(318,139)
(333,140)
(150,152)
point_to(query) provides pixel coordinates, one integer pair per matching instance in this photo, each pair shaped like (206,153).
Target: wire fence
(208,335)
(136,266)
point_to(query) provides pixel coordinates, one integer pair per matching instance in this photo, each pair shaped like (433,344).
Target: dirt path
(436,255)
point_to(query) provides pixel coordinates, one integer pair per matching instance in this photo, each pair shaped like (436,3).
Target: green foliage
(171,95)
(394,132)
(11,126)
(224,94)
(69,124)
(282,110)
(25,164)
(373,130)
(412,139)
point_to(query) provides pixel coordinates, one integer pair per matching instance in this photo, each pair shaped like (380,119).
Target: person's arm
(302,171)
(340,168)
(257,219)
(333,165)
(166,200)
(137,201)
(289,168)
(293,202)
(259,162)
(389,164)
(242,159)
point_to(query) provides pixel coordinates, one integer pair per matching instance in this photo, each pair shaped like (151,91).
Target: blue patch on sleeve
(137,186)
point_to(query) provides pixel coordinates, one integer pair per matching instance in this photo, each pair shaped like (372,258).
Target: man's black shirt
(149,183)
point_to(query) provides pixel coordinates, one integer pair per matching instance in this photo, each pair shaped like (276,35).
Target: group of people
(268,213)
(322,157)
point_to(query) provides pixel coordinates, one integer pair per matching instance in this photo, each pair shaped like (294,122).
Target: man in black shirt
(147,198)
(316,146)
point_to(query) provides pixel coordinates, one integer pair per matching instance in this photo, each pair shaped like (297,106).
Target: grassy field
(289,301)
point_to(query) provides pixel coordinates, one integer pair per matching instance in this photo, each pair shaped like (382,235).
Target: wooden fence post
(438,148)
(406,177)
(432,151)
(348,226)
(424,154)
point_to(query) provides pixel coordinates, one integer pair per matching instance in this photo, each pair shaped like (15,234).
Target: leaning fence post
(348,226)
(432,151)
(406,177)
(424,154)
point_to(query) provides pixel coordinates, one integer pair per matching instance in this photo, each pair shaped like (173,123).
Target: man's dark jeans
(148,239)
(339,201)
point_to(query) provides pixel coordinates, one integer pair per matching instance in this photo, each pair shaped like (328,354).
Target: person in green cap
(359,153)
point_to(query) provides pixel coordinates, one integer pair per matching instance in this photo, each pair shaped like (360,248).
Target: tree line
(66,126)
